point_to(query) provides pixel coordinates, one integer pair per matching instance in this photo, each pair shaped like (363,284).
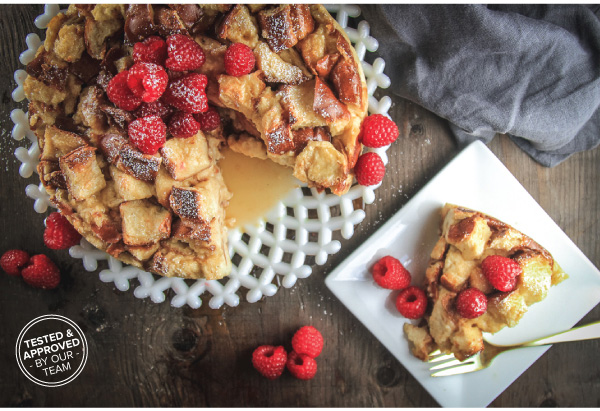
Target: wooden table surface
(146,354)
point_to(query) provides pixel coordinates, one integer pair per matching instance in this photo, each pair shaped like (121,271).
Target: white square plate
(474,179)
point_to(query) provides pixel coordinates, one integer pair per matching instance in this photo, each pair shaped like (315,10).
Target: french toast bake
(163,210)
(467,238)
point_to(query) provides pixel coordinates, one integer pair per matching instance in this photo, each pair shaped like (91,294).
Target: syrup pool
(257,185)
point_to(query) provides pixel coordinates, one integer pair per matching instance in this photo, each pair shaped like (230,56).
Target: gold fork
(446,364)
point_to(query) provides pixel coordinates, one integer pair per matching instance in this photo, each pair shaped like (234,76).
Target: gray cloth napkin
(530,71)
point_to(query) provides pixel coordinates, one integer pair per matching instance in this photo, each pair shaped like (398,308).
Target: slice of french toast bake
(467,238)
(131,105)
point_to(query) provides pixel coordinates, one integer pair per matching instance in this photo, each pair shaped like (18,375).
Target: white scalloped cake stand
(263,255)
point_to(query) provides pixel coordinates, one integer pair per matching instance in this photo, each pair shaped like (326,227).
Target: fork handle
(585,332)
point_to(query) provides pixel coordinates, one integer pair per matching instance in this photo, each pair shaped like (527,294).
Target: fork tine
(447,364)
(461,368)
(439,357)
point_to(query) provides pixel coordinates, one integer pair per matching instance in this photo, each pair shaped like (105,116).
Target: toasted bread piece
(82,173)
(58,143)
(185,157)
(144,223)
(239,26)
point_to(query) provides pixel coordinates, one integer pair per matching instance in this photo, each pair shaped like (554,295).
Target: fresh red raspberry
(184,53)
(369,169)
(41,272)
(378,131)
(13,261)
(269,361)
(210,120)
(308,340)
(147,81)
(59,233)
(148,134)
(119,93)
(188,93)
(156,108)
(183,125)
(501,272)
(412,302)
(301,366)
(239,60)
(389,273)
(152,50)
(471,303)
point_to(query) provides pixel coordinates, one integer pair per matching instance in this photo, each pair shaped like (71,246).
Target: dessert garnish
(59,233)
(269,361)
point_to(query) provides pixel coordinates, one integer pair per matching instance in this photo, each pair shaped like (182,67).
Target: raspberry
(148,134)
(308,340)
(412,302)
(41,272)
(471,303)
(269,361)
(389,273)
(301,366)
(59,233)
(156,108)
(188,93)
(183,125)
(147,81)
(184,53)
(501,272)
(152,50)
(210,120)
(119,93)
(239,60)
(369,169)
(13,261)
(378,131)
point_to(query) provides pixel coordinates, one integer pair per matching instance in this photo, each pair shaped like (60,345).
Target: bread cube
(421,343)
(185,157)
(457,270)
(470,236)
(536,278)
(88,109)
(128,159)
(241,93)
(275,68)
(199,203)
(327,105)
(321,163)
(128,187)
(69,45)
(298,102)
(83,176)
(503,309)
(239,26)
(144,223)
(347,82)
(285,25)
(58,142)
(96,35)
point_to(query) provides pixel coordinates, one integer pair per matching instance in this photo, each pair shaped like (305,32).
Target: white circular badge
(51,350)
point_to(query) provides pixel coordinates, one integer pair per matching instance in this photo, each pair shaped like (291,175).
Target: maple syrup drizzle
(257,185)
